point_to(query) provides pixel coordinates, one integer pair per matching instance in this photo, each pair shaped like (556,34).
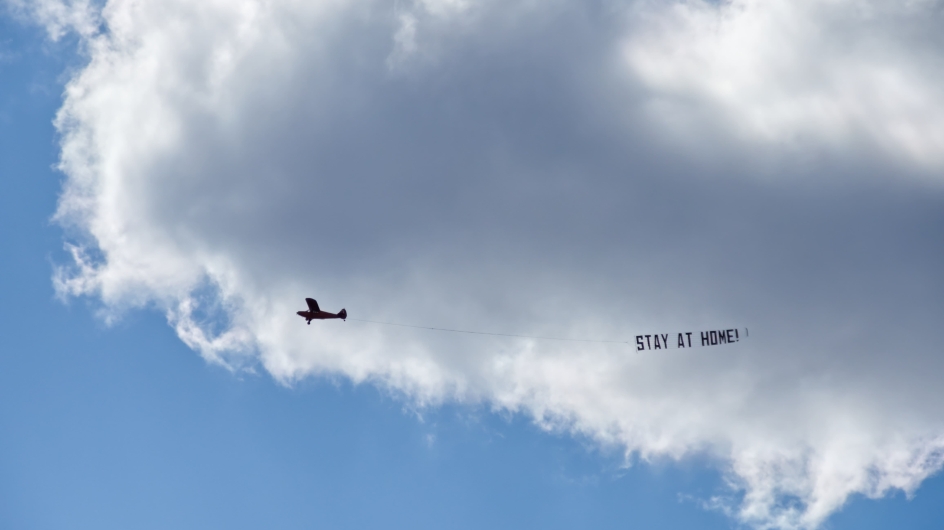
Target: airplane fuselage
(320,315)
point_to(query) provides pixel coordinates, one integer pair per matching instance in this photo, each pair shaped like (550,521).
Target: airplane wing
(312,305)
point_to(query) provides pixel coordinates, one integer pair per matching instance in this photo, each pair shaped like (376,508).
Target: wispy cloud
(60,17)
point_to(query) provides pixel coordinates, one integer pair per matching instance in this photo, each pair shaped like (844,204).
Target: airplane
(315,313)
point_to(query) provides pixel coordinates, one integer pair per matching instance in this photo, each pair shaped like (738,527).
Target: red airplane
(315,313)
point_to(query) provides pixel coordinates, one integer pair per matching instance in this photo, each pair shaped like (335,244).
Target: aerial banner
(689,339)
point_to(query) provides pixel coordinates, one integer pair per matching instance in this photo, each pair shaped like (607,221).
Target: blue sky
(123,425)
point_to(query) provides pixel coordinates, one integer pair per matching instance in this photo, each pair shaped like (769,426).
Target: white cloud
(832,71)
(496,168)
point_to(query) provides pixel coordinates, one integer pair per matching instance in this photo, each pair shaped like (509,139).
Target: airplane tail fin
(343,314)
